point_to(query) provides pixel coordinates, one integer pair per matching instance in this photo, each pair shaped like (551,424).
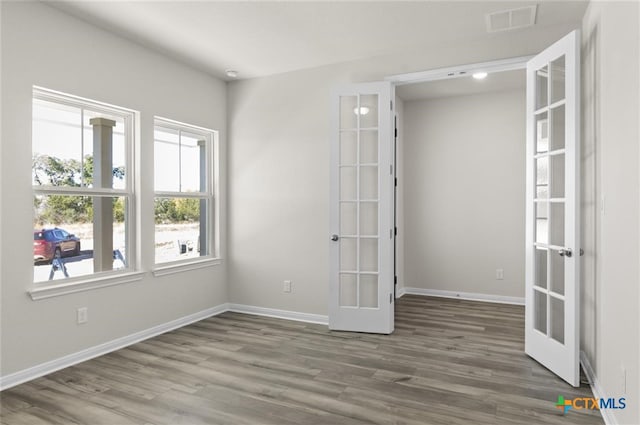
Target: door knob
(334,238)
(565,252)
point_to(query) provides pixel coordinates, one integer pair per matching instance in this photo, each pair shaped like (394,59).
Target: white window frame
(211,194)
(131,272)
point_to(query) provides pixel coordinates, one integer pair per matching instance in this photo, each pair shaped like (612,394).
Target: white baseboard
(464,295)
(279,314)
(400,292)
(42,369)
(596,388)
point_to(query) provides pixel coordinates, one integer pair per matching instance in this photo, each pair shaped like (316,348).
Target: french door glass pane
(348,290)
(541,268)
(369,218)
(542,81)
(348,112)
(369,254)
(368,182)
(369,104)
(557,273)
(542,170)
(348,147)
(348,183)
(369,147)
(558,122)
(542,132)
(348,218)
(556,224)
(557,80)
(557,319)
(557,175)
(540,311)
(542,222)
(369,290)
(348,254)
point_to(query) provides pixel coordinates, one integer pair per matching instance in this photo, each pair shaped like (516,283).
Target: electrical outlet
(82,315)
(287,286)
(499,274)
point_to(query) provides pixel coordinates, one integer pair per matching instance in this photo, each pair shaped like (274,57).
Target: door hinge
(395,280)
(396,182)
(395,132)
(395,229)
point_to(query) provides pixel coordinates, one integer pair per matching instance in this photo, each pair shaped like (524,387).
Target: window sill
(49,291)
(180,267)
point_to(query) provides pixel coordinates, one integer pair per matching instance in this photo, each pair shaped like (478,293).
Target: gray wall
(279,169)
(464,196)
(41,46)
(611,202)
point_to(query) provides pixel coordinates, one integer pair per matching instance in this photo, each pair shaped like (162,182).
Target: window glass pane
(103,167)
(78,235)
(192,151)
(166,154)
(56,144)
(180,229)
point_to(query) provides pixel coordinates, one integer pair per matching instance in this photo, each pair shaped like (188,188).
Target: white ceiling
(259,38)
(462,86)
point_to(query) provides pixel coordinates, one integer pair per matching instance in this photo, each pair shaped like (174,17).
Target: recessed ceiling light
(232,73)
(479,75)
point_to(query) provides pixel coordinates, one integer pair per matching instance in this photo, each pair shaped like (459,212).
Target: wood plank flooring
(448,362)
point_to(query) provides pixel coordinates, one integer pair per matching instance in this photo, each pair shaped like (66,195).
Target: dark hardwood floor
(448,362)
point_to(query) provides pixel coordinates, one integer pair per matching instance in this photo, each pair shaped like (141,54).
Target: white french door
(552,215)
(361,270)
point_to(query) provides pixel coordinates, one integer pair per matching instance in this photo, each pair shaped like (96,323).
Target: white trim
(42,369)
(174,267)
(41,292)
(464,296)
(509,64)
(280,314)
(400,292)
(596,388)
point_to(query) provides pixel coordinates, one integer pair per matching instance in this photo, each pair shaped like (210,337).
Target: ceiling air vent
(506,20)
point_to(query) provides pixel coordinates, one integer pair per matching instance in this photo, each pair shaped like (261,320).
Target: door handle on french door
(335,238)
(566,252)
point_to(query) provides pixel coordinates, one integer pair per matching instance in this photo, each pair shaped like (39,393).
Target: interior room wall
(465,192)
(611,202)
(42,46)
(279,167)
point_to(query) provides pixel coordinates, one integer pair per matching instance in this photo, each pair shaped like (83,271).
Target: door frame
(460,71)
